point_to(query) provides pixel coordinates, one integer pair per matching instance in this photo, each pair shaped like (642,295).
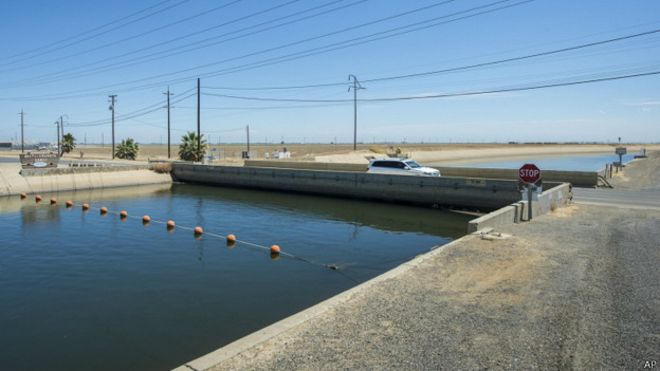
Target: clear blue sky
(80,51)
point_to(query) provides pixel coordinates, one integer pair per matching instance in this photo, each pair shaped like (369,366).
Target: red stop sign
(529,173)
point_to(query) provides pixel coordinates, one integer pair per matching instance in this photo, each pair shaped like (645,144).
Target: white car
(396,166)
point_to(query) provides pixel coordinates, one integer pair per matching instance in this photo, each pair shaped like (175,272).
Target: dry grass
(162,167)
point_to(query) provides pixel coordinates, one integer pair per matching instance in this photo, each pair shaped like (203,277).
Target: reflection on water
(79,289)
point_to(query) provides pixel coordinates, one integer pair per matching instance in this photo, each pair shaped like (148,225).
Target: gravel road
(576,289)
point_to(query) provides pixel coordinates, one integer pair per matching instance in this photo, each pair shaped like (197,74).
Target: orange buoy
(198,230)
(69,203)
(274,249)
(53,201)
(104,210)
(23,195)
(37,198)
(170,224)
(123,214)
(231,238)
(146,219)
(85,207)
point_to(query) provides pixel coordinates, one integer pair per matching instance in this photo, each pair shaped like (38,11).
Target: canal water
(81,291)
(591,162)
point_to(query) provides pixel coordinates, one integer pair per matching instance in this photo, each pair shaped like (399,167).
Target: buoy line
(198,231)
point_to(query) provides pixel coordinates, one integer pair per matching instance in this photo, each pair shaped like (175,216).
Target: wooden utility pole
(22,132)
(247,129)
(61,136)
(355,87)
(58,137)
(199,136)
(113,98)
(169,150)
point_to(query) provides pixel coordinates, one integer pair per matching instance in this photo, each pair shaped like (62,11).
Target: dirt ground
(455,152)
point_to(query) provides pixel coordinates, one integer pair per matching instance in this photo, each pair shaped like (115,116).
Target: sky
(256,60)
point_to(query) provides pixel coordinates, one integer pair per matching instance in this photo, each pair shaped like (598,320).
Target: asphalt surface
(646,199)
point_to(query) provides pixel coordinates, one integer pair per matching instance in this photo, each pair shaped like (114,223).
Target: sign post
(529,174)
(621,151)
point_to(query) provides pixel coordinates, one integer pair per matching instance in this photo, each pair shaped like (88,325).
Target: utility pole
(199,137)
(355,87)
(62,136)
(247,129)
(22,138)
(169,152)
(112,108)
(58,137)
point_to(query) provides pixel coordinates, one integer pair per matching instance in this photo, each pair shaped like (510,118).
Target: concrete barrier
(308,165)
(481,194)
(13,183)
(577,178)
(81,170)
(557,196)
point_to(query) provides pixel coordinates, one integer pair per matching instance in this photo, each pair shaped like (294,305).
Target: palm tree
(127,149)
(68,143)
(189,150)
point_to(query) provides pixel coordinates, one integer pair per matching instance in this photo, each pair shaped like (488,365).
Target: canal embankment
(576,288)
(14,180)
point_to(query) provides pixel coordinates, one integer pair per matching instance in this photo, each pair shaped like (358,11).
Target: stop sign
(529,173)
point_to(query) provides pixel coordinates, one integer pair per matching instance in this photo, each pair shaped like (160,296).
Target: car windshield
(413,164)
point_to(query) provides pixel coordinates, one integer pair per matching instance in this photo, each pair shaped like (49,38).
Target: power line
(397,31)
(141,34)
(54,43)
(48,50)
(58,76)
(134,114)
(400,30)
(452,69)
(448,95)
(292,43)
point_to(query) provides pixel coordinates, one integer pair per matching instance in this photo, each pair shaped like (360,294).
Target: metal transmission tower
(22,139)
(169,152)
(112,108)
(356,86)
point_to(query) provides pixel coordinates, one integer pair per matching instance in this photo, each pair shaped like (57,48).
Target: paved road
(644,199)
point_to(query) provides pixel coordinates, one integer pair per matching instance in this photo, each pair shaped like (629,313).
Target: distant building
(6,145)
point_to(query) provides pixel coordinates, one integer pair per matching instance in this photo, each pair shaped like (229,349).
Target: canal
(589,162)
(83,291)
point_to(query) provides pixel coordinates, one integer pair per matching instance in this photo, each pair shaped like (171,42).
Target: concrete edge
(260,336)
(557,196)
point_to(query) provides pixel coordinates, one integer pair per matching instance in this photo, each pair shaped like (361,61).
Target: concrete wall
(577,178)
(13,183)
(481,194)
(557,196)
(309,165)
(81,170)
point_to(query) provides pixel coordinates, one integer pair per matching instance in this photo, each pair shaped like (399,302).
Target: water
(571,163)
(81,291)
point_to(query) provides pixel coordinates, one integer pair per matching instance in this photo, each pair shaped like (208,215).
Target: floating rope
(198,231)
